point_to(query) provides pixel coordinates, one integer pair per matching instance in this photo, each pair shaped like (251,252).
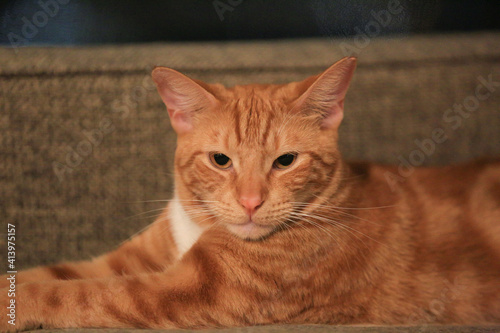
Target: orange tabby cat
(269,225)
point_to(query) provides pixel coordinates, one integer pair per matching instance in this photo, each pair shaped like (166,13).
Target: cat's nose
(251,203)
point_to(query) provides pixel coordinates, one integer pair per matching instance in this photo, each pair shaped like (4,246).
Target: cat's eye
(285,160)
(221,161)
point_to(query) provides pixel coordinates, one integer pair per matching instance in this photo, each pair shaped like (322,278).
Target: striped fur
(330,242)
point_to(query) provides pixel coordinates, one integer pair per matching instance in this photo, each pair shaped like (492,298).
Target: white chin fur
(185,231)
(250,230)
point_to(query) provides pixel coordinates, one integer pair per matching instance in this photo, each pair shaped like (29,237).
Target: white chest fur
(185,231)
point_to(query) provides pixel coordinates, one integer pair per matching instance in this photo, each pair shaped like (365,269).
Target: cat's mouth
(250,230)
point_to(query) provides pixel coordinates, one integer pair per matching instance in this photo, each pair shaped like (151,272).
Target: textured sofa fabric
(86,147)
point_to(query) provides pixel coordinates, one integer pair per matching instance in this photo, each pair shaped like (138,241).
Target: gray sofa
(86,144)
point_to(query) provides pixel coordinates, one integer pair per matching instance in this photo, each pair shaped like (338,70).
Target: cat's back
(444,223)
(481,174)
(465,195)
(459,183)
(468,194)
(448,212)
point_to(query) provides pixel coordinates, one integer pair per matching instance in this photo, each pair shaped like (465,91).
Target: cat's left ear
(325,96)
(183,97)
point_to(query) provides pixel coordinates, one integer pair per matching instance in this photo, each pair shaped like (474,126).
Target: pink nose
(251,203)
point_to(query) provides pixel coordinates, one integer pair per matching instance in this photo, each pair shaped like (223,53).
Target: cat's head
(255,157)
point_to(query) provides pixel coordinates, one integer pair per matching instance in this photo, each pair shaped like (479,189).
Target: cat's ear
(325,96)
(183,97)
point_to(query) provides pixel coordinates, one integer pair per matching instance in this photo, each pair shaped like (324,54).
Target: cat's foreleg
(150,251)
(186,295)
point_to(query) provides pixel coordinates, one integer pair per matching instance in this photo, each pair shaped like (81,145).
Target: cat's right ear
(182,96)
(325,96)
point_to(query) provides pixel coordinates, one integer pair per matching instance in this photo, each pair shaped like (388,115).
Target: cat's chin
(250,230)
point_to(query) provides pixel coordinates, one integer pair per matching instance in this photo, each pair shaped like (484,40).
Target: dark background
(76,22)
